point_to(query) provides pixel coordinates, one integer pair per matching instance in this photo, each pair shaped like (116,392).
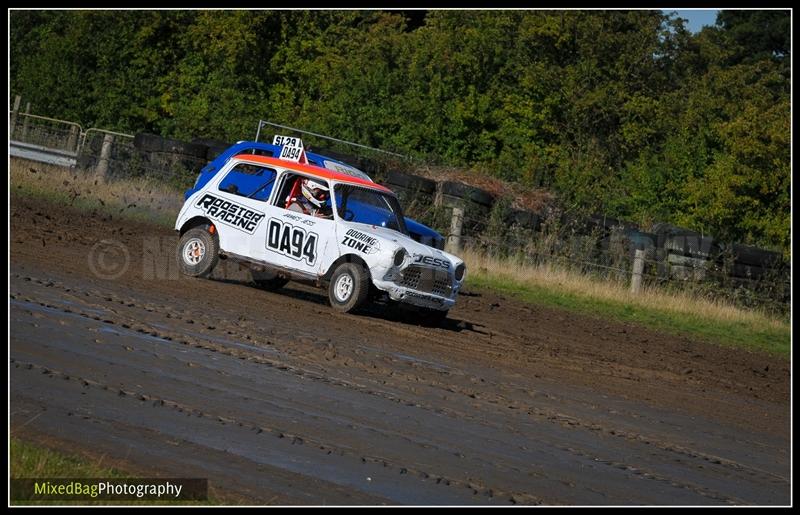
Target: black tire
(206,248)
(148,142)
(349,287)
(748,271)
(459,190)
(522,218)
(214,151)
(695,246)
(410,182)
(754,256)
(214,147)
(681,260)
(268,280)
(674,230)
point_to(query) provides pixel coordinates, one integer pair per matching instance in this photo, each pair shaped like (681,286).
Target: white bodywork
(263,233)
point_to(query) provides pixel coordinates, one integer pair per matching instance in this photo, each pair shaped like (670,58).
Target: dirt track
(279,400)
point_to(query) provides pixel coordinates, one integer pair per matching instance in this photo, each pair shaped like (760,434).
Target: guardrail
(42,154)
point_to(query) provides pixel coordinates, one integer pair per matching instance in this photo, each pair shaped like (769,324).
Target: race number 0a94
(291,153)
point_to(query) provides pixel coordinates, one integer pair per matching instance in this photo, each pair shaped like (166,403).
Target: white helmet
(315,192)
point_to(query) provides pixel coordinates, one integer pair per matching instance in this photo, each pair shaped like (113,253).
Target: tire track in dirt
(290,349)
(295,439)
(559,410)
(550,416)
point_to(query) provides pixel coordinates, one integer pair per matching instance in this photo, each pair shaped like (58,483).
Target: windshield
(368,206)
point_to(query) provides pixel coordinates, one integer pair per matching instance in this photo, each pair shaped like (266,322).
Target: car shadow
(382,310)
(293,290)
(408,316)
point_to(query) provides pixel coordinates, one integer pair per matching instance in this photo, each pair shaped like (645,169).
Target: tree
(623,113)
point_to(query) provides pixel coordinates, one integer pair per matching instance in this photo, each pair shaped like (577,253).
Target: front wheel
(349,287)
(198,252)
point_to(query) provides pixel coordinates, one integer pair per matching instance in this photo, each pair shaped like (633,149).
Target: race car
(418,231)
(287,219)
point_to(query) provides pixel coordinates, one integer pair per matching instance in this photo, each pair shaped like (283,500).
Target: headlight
(460,271)
(399,256)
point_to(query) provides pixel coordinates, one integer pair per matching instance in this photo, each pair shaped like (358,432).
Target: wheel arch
(347,258)
(197,221)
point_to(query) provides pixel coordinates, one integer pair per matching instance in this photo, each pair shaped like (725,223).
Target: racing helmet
(315,192)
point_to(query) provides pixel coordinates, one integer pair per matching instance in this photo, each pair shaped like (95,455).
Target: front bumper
(422,287)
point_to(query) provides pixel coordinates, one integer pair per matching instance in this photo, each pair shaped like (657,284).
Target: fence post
(636,274)
(72,142)
(453,245)
(17,101)
(438,198)
(105,154)
(25,121)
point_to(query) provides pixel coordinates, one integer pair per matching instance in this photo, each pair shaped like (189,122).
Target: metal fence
(107,154)
(45,132)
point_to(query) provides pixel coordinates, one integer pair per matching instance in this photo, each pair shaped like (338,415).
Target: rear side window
(251,181)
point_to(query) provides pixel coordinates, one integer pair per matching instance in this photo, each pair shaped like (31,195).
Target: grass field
(134,199)
(716,322)
(30,460)
(676,312)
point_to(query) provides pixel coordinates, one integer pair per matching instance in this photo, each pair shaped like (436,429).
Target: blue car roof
(240,147)
(208,172)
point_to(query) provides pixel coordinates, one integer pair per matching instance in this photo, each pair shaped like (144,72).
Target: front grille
(426,280)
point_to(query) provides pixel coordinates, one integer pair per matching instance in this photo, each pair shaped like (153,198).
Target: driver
(313,201)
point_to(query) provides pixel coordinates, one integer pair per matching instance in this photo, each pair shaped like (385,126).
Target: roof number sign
(279,141)
(291,148)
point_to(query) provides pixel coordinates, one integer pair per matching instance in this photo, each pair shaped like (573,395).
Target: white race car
(286,219)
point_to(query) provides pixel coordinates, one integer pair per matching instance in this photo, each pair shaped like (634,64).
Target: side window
(291,196)
(247,180)
(290,187)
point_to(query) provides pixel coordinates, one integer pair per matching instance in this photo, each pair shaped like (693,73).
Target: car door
(237,203)
(294,240)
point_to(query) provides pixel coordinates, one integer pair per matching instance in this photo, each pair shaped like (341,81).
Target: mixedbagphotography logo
(81,489)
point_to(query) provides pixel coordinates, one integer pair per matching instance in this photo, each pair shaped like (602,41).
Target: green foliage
(619,112)
(755,35)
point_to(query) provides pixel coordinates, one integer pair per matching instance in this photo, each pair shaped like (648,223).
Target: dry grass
(555,278)
(136,198)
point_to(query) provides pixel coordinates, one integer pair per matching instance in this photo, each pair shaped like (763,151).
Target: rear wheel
(198,252)
(349,287)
